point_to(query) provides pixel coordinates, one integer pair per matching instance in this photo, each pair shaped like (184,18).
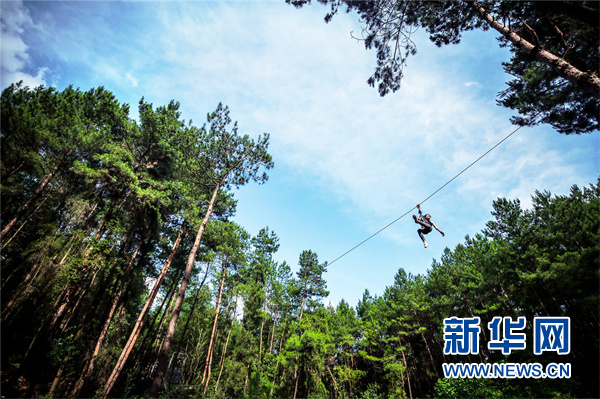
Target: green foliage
(472,388)
(541,92)
(311,285)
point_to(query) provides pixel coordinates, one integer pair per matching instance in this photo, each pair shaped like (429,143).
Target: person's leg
(422,232)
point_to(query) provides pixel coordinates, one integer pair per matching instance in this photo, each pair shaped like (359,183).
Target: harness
(424,220)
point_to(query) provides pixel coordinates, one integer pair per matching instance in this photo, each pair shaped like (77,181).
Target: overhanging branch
(588,81)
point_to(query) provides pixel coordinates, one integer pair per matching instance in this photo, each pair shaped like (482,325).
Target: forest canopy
(123,274)
(555,48)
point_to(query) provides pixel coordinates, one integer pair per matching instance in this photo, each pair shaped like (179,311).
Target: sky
(347,161)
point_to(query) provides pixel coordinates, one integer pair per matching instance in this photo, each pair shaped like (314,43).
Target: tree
(141,164)
(218,159)
(259,281)
(311,284)
(555,47)
(94,204)
(233,242)
(44,132)
(141,319)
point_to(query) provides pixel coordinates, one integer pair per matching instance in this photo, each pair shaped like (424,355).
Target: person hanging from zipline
(426,225)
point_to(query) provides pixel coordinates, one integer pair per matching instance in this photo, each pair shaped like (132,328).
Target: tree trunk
(210,351)
(248,370)
(302,307)
(225,348)
(426,345)
(58,377)
(23,224)
(187,322)
(143,314)
(195,360)
(296,378)
(334,381)
(11,172)
(273,331)
(144,352)
(78,292)
(279,353)
(407,375)
(164,354)
(33,196)
(586,80)
(303,299)
(81,382)
(262,325)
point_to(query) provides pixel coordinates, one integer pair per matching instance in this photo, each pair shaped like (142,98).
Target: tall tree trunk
(303,296)
(25,222)
(58,377)
(296,378)
(334,382)
(209,354)
(143,314)
(225,348)
(195,359)
(426,344)
(80,383)
(262,325)
(21,292)
(302,307)
(80,294)
(163,323)
(586,80)
(187,322)
(248,369)
(273,331)
(164,354)
(33,196)
(11,172)
(77,292)
(279,353)
(144,352)
(407,375)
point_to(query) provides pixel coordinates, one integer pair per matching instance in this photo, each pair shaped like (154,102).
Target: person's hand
(443,235)
(418,206)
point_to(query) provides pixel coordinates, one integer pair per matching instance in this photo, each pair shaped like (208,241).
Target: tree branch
(588,81)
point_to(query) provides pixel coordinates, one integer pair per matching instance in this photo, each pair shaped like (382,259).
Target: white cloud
(131,79)
(30,81)
(378,157)
(15,58)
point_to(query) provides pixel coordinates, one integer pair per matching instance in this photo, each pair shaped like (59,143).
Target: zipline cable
(434,193)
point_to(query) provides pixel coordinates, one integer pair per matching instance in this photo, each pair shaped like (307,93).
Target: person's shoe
(415,218)
(425,244)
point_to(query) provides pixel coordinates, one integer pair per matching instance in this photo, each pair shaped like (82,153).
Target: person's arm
(441,232)
(419,208)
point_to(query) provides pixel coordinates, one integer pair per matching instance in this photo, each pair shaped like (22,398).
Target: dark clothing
(423,231)
(423,221)
(425,224)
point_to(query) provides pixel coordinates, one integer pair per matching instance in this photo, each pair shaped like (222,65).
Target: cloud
(376,156)
(131,79)
(16,61)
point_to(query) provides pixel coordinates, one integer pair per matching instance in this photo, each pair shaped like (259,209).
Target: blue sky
(347,162)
